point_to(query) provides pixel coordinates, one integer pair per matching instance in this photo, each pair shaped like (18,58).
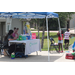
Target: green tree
(63,17)
(52,23)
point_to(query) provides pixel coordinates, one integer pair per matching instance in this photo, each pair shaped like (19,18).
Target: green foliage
(55,37)
(63,17)
(53,22)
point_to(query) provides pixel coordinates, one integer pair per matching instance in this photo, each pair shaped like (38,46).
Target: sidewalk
(41,57)
(46,31)
(62,58)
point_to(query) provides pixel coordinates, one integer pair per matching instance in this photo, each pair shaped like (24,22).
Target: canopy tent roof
(29,14)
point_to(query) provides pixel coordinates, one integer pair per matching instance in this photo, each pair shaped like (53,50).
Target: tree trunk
(36,25)
(42,41)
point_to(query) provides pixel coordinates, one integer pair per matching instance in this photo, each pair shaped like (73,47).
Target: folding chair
(53,45)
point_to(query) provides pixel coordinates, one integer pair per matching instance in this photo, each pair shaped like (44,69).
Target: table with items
(32,45)
(26,41)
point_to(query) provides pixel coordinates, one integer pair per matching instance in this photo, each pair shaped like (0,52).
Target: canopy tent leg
(59,25)
(47,38)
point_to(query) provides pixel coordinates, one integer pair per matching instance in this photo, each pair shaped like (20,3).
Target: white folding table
(32,45)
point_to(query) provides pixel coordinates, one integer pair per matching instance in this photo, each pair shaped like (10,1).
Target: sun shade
(29,14)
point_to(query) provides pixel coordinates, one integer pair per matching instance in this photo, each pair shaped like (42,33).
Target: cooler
(69,56)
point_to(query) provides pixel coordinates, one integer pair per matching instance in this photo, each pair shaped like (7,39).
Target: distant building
(71,23)
(6,25)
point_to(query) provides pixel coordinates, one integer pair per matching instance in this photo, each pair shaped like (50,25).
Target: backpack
(19,54)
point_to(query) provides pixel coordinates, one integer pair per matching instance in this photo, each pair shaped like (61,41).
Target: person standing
(60,40)
(66,38)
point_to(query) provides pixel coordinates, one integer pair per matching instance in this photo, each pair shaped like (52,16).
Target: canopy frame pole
(59,25)
(47,37)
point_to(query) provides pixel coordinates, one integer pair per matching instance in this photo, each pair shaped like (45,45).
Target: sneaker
(61,51)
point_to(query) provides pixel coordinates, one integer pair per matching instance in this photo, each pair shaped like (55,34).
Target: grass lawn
(55,37)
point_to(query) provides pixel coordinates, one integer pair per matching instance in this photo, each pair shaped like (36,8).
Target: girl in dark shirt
(8,37)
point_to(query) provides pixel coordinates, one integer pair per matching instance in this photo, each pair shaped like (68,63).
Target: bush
(41,28)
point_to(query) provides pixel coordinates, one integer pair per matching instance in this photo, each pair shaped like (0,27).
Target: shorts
(60,41)
(66,41)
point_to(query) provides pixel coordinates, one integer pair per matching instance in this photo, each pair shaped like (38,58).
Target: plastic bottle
(13,55)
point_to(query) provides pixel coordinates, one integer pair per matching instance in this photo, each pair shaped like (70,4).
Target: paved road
(71,31)
(41,57)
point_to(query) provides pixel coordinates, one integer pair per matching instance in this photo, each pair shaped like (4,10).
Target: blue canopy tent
(29,14)
(33,15)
